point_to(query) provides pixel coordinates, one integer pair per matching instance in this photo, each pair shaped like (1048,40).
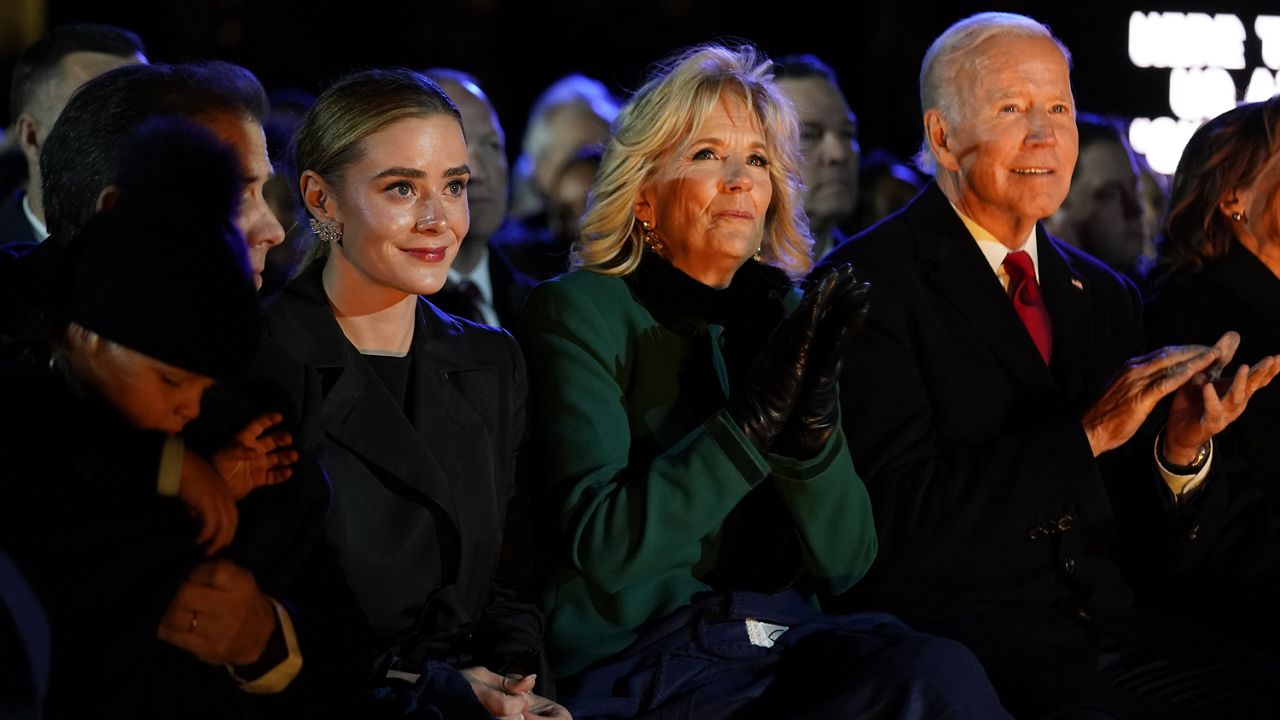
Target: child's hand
(210,501)
(256,457)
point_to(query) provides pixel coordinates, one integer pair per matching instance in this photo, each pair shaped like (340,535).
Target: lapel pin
(1076,282)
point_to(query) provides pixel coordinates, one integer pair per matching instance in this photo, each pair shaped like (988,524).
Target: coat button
(1065,522)
(1069,565)
(1049,527)
(1035,533)
(1193,532)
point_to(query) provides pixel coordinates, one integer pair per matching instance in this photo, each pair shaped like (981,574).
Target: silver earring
(651,238)
(1236,216)
(328,231)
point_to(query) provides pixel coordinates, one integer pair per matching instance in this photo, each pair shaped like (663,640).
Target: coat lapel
(1068,298)
(361,415)
(441,412)
(955,266)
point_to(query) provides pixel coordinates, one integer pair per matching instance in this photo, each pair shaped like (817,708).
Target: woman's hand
(817,409)
(540,707)
(511,697)
(209,499)
(1199,411)
(256,457)
(219,615)
(768,395)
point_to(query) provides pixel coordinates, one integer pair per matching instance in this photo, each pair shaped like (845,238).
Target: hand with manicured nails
(768,395)
(817,410)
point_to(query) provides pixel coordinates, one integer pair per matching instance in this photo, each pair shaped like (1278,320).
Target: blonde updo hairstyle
(656,121)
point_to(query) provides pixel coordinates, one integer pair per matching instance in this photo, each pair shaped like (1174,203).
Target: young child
(159,303)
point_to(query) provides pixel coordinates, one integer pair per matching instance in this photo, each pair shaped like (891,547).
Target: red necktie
(1028,301)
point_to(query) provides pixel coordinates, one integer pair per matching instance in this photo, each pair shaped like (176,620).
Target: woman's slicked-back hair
(1226,153)
(354,107)
(949,56)
(675,102)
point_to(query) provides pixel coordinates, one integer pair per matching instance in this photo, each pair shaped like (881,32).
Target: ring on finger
(195,622)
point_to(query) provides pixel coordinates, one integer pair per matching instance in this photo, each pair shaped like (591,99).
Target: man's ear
(317,196)
(27,129)
(107,198)
(937,130)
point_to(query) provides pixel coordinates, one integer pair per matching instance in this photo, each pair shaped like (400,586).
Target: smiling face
(255,220)
(403,205)
(1261,203)
(708,198)
(1010,155)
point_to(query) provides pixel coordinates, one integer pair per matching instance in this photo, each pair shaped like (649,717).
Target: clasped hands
(788,403)
(1202,405)
(511,696)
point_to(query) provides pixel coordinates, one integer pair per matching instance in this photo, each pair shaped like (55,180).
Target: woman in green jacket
(685,397)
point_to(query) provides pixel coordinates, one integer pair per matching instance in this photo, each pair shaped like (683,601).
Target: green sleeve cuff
(786,468)
(737,448)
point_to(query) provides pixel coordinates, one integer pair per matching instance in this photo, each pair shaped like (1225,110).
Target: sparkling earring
(651,238)
(757,257)
(1236,216)
(328,231)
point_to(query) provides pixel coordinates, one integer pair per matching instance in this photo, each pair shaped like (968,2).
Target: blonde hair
(673,104)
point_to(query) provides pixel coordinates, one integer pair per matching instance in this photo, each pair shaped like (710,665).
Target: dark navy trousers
(699,663)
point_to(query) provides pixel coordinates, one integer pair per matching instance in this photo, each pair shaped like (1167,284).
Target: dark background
(517,48)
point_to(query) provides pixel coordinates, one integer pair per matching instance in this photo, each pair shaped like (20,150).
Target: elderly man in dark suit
(990,406)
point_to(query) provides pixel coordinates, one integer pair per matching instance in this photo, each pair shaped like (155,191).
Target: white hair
(947,57)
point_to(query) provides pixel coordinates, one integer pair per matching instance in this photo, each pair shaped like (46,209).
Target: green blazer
(641,480)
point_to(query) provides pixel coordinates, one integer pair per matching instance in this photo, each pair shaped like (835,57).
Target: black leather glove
(817,407)
(763,404)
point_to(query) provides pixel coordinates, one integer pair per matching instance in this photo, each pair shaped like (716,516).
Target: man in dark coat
(483,285)
(989,408)
(43,80)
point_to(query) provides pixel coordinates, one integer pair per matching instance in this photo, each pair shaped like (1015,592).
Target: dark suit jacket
(986,492)
(1231,583)
(14,226)
(420,504)
(510,290)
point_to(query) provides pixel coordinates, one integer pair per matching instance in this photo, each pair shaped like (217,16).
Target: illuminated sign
(1199,50)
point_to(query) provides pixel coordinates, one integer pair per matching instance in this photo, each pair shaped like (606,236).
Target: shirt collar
(995,251)
(41,230)
(479,276)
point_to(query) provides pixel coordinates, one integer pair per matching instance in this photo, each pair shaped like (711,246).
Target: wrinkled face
(1261,202)
(708,199)
(149,394)
(1014,147)
(487,156)
(403,204)
(1103,214)
(256,222)
(829,149)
